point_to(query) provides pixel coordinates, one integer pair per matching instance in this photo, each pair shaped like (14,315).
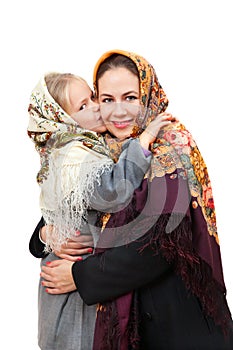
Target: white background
(190,45)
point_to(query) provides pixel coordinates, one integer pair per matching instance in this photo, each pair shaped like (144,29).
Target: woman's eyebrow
(104,94)
(124,94)
(131,92)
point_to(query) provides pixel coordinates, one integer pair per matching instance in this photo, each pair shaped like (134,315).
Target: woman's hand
(74,248)
(150,133)
(57,277)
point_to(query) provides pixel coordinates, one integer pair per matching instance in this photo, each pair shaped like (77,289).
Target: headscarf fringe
(177,248)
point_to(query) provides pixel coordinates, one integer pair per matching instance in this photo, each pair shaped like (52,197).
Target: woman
(75,168)
(173,263)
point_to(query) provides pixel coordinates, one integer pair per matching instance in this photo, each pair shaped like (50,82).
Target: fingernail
(77,233)
(79,258)
(48,262)
(90,250)
(42,283)
(46,290)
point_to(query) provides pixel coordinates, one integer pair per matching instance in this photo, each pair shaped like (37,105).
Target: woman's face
(83,108)
(118,93)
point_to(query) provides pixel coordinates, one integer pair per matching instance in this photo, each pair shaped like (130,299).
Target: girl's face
(83,108)
(118,91)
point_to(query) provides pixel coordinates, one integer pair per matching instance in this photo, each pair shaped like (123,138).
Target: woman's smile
(122,124)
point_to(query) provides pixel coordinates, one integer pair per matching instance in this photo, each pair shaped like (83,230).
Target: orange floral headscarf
(152,95)
(174,147)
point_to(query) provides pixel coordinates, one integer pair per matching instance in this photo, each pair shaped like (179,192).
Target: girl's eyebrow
(83,101)
(80,103)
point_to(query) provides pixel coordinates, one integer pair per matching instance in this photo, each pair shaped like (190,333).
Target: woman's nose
(119,109)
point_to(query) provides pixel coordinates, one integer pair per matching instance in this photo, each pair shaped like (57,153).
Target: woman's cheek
(105,112)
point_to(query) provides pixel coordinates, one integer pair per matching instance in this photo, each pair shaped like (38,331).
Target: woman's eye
(107,100)
(131,98)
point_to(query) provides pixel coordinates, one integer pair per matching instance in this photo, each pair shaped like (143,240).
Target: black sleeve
(36,247)
(117,271)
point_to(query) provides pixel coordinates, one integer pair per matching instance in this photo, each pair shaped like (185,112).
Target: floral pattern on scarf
(51,127)
(175,149)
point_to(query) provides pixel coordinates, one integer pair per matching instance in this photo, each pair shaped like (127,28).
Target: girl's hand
(150,133)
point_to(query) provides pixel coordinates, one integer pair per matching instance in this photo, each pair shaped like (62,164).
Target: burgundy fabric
(121,341)
(164,195)
(187,244)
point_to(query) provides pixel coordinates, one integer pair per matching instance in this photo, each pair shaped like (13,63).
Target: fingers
(74,248)
(50,264)
(47,278)
(70,254)
(54,291)
(83,239)
(47,284)
(70,257)
(167,116)
(59,290)
(160,121)
(52,288)
(46,273)
(74,251)
(77,245)
(79,242)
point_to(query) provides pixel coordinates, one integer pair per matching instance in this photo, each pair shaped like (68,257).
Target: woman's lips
(122,124)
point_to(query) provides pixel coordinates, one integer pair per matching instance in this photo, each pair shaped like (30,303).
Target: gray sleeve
(117,186)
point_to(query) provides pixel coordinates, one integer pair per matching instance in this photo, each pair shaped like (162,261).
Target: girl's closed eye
(83,106)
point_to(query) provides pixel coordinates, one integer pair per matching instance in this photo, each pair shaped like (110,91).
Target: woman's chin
(121,134)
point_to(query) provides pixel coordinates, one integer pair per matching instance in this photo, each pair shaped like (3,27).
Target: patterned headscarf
(174,147)
(181,187)
(152,96)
